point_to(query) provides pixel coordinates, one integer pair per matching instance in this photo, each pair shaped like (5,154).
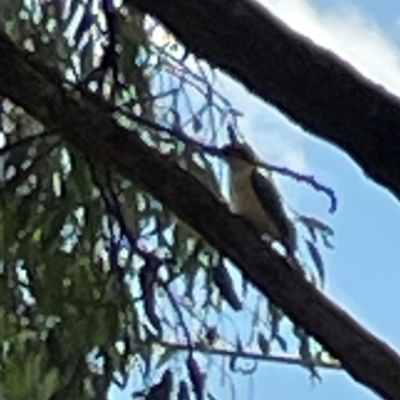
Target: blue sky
(363,270)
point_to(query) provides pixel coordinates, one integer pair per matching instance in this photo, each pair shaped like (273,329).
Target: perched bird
(255,197)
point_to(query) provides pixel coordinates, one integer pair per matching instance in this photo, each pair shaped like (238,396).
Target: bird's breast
(246,203)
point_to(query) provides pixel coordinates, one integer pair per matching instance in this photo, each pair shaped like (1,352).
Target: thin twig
(285,359)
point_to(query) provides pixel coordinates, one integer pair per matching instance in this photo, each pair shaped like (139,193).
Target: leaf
(132,31)
(105,326)
(147,354)
(326,242)
(315,226)
(190,268)
(180,240)
(211,335)
(275,317)
(49,383)
(84,25)
(163,389)
(52,227)
(317,260)
(245,285)
(150,310)
(196,124)
(224,283)
(233,359)
(196,377)
(232,363)
(168,353)
(263,343)
(305,354)
(87,57)
(58,10)
(183,392)
(147,285)
(282,342)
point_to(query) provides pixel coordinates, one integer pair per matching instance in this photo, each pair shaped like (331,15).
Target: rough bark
(91,130)
(323,94)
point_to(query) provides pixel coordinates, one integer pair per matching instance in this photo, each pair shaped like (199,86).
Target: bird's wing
(269,198)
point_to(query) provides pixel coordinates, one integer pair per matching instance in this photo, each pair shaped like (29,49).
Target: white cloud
(349,32)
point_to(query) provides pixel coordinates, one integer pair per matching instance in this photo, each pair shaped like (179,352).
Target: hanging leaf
(190,268)
(315,226)
(196,377)
(245,285)
(224,283)
(147,352)
(239,345)
(147,278)
(166,356)
(263,343)
(317,260)
(275,317)
(87,57)
(233,359)
(232,363)
(211,335)
(196,124)
(183,392)
(282,342)
(84,25)
(163,389)
(307,359)
(150,310)
(327,243)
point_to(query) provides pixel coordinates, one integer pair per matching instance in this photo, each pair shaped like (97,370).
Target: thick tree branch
(310,85)
(90,129)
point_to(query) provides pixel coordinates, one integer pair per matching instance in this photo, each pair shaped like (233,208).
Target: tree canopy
(115,253)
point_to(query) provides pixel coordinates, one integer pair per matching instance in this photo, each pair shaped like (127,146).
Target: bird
(255,197)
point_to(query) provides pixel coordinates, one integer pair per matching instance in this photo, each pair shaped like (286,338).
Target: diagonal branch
(93,131)
(312,86)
